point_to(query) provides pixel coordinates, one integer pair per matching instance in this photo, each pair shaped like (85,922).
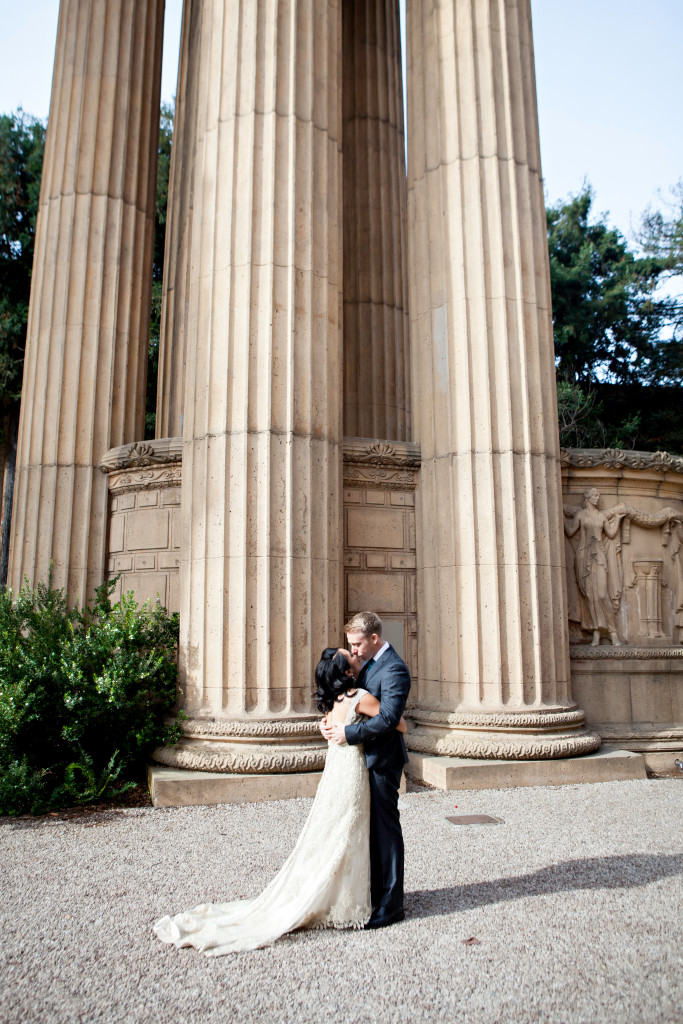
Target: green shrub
(83,694)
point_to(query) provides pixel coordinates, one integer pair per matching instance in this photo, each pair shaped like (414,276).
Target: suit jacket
(389,681)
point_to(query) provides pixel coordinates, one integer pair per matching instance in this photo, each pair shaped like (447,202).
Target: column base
(502,735)
(250,747)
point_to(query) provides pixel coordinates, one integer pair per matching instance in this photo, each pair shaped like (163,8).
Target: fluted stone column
(376,359)
(173,335)
(493,650)
(85,364)
(262,420)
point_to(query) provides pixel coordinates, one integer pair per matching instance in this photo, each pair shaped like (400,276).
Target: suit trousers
(386,840)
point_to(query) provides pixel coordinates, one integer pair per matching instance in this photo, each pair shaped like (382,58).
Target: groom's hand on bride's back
(325,729)
(337,734)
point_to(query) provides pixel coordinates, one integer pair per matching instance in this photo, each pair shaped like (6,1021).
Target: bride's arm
(369,705)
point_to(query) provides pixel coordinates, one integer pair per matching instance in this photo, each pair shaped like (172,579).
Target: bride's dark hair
(331,679)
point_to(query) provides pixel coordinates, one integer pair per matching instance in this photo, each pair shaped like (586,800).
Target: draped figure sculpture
(594,567)
(597,564)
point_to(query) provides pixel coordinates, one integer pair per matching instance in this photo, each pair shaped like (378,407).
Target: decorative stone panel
(380,478)
(631,549)
(625,568)
(143,544)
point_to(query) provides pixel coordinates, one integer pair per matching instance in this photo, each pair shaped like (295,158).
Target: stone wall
(379,537)
(624,566)
(625,570)
(143,539)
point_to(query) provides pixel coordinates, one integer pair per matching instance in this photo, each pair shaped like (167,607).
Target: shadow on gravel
(85,817)
(624,872)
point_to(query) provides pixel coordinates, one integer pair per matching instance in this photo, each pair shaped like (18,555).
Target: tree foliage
(22,142)
(82,695)
(618,338)
(163,172)
(661,236)
(609,321)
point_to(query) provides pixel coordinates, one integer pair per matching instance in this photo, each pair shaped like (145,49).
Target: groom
(387,678)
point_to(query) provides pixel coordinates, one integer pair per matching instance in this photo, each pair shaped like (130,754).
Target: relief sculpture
(677,555)
(594,563)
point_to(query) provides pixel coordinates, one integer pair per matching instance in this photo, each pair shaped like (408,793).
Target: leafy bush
(83,694)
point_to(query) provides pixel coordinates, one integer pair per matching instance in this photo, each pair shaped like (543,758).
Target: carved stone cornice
(617,458)
(392,465)
(144,465)
(606,652)
(367,451)
(143,454)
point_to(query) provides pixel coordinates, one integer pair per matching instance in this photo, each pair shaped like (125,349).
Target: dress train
(324,883)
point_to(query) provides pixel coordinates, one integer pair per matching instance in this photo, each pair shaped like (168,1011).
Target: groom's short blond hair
(366,623)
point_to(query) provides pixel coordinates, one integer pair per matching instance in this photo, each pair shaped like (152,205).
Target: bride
(325,882)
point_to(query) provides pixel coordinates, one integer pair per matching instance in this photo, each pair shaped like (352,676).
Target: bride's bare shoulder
(341,707)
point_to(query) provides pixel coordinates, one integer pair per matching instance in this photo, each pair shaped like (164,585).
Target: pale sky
(607,75)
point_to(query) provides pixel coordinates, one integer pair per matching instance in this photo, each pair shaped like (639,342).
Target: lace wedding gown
(324,883)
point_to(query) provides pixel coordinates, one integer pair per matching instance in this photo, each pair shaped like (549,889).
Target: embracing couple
(346,870)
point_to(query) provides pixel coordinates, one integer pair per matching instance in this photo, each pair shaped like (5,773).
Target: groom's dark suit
(385,753)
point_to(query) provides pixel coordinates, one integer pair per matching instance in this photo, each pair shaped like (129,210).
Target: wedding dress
(324,883)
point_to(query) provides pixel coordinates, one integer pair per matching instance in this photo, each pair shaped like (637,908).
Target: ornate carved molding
(144,479)
(276,730)
(616,458)
(143,454)
(390,480)
(250,746)
(505,747)
(527,734)
(391,465)
(252,762)
(505,721)
(606,652)
(367,451)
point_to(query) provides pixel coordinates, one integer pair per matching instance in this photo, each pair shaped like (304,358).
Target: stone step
(473,773)
(176,787)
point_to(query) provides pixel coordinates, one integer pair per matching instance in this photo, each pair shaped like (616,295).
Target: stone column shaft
(85,364)
(261,569)
(376,359)
(493,644)
(173,334)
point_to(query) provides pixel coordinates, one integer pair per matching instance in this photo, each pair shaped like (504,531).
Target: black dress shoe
(382,918)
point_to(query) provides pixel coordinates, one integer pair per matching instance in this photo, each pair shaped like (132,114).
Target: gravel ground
(575,901)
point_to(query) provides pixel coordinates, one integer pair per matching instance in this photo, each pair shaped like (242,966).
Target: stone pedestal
(493,652)
(86,350)
(262,418)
